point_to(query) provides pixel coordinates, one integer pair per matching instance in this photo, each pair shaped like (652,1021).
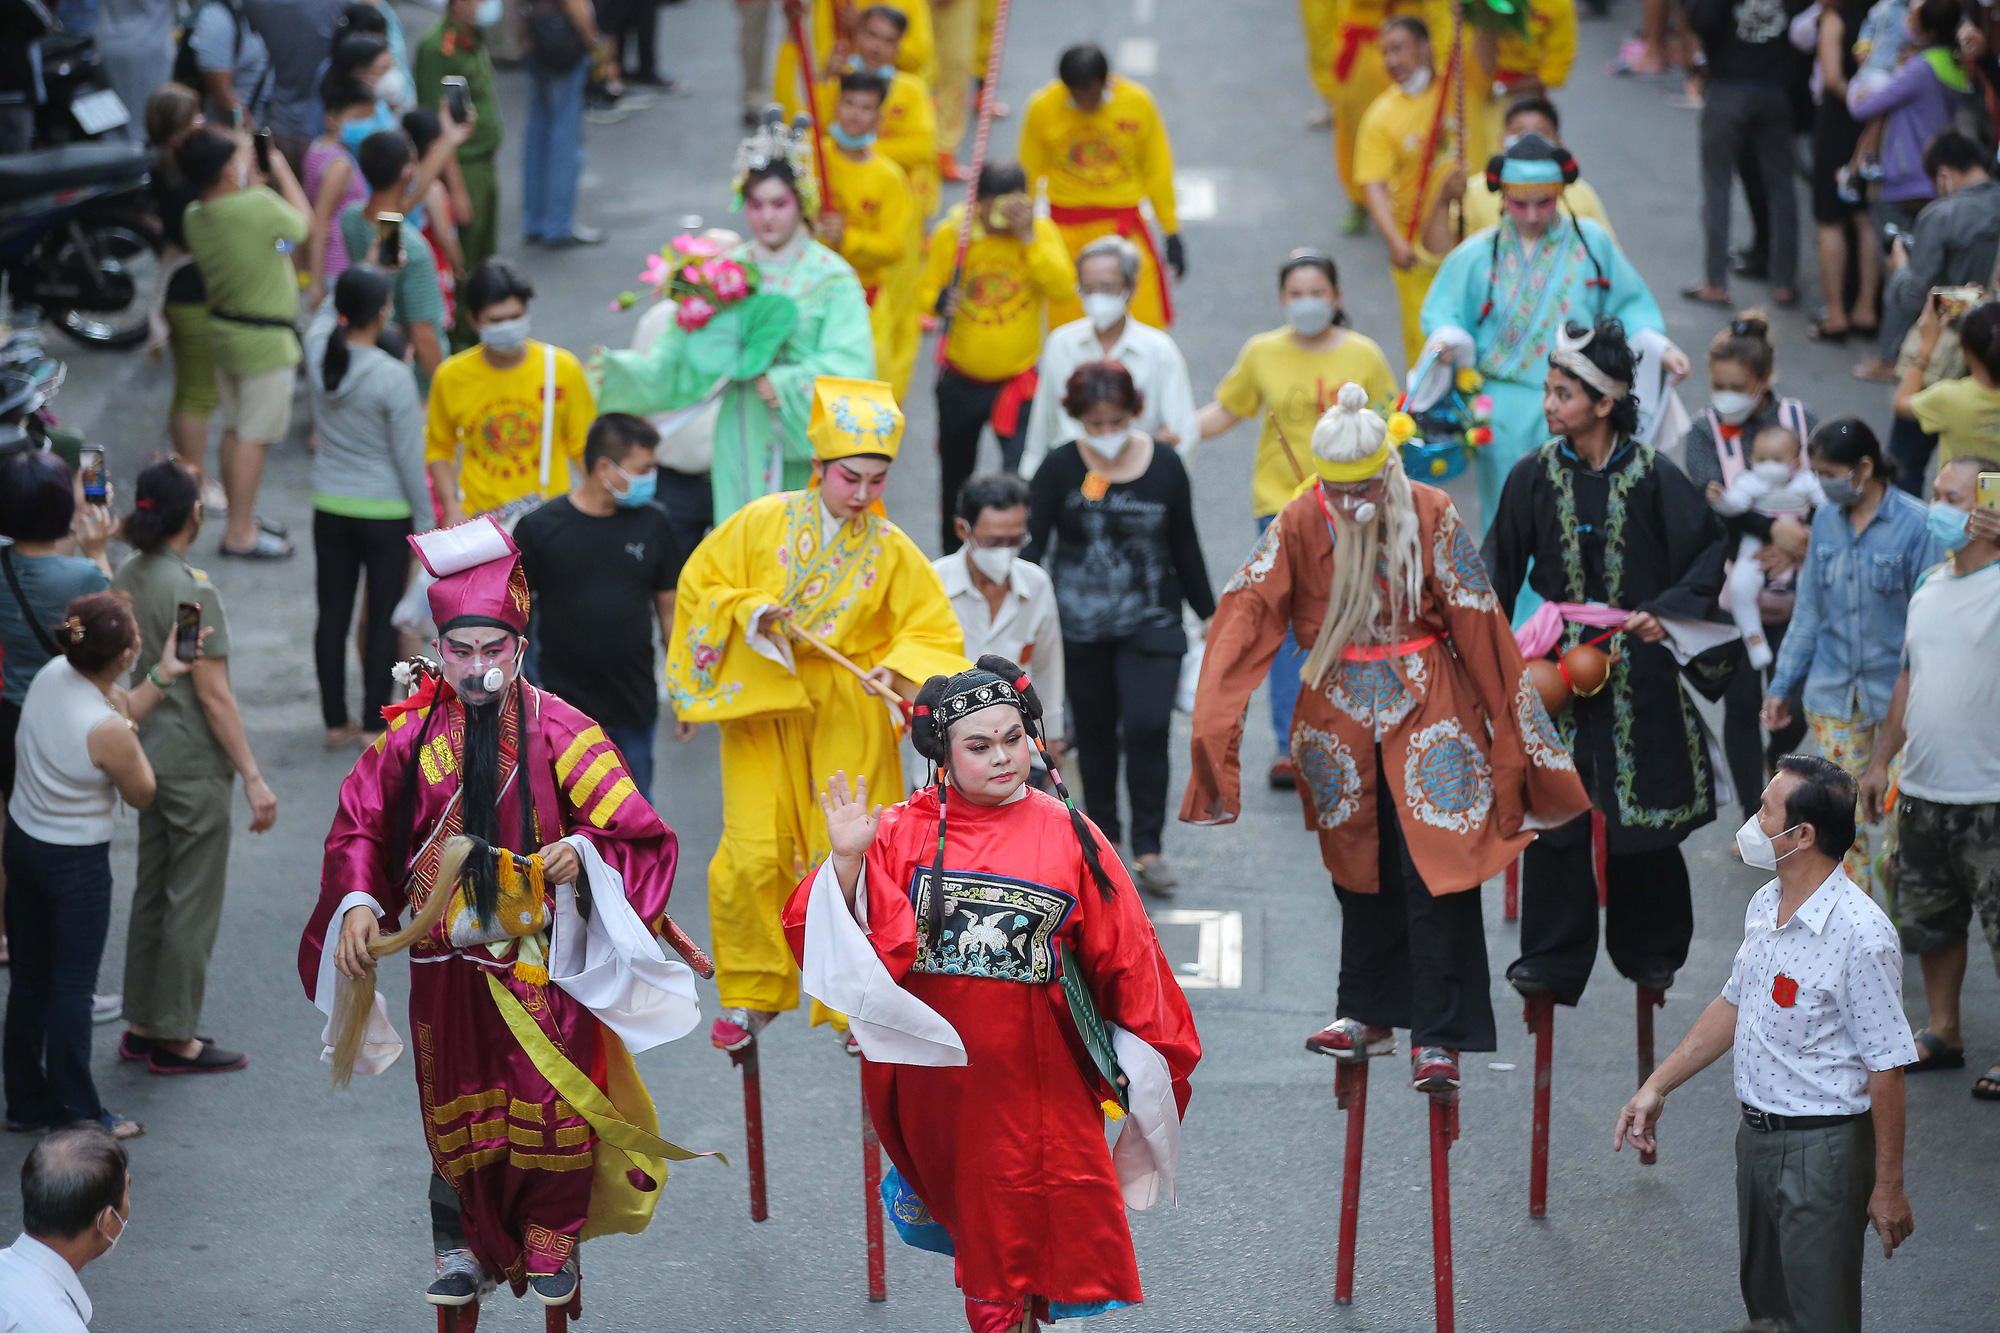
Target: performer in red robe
(517,1078)
(983,1089)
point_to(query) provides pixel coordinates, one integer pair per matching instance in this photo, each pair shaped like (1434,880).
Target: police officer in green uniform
(457,46)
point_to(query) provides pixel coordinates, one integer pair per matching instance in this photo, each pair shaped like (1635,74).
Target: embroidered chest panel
(993,927)
(823,583)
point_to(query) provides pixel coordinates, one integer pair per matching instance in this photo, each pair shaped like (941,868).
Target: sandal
(121,1127)
(1699,294)
(1987,1086)
(1817,331)
(266,547)
(1934,1054)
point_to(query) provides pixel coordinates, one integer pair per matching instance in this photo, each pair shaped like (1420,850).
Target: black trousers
(1648,914)
(1123,701)
(1413,959)
(58,913)
(343,549)
(964,407)
(1743,742)
(1910,449)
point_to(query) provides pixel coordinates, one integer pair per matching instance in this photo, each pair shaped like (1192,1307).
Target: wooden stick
(1290,457)
(808,73)
(898,706)
(989,93)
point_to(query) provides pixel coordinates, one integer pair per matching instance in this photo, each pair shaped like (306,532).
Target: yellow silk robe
(788,716)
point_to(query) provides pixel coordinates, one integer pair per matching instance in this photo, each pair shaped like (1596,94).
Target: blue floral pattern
(1331,775)
(1447,781)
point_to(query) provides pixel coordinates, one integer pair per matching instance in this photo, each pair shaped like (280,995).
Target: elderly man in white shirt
(1004,604)
(1107,272)
(1813,1017)
(76,1201)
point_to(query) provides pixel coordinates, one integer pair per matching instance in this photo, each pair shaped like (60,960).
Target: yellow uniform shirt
(1108,158)
(490,422)
(872,197)
(1963,414)
(1007,285)
(1390,149)
(1274,375)
(1549,49)
(916,54)
(1481,207)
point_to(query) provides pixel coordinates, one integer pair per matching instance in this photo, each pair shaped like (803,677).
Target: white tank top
(59,795)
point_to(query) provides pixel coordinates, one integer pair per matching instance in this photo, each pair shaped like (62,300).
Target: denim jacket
(1845,642)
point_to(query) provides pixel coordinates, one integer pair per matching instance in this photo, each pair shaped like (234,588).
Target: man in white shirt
(76,1201)
(1813,1018)
(1107,273)
(1944,719)
(1004,604)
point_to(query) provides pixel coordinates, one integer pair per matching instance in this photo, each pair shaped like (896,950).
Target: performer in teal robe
(1502,295)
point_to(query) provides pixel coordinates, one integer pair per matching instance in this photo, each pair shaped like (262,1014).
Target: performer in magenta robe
(979,1077)
(517,1078)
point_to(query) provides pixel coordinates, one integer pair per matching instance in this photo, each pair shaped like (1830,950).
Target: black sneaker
(553,1288)
(454,1288)
(1524,978)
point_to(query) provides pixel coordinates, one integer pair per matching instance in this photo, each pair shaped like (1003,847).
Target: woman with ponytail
(991,1098)
(369,492)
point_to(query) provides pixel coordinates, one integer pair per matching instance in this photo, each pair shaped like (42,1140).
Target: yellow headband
(1359,469)
(851,417)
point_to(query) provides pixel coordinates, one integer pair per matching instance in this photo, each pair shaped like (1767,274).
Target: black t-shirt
(594,582)
(1746,41)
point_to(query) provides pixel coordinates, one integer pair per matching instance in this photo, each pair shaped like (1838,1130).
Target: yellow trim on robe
(568,1136)
(526,1136)
(452,1142)
(543,1161)
(466,1105)
(586,783)
(472,1161)
(613,799)
(578,748)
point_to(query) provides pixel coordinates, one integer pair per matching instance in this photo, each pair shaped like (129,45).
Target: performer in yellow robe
(871,222)
(1096,142)
(1540,62)
(916,54)
(955,25)
(1321,21)
(824,562)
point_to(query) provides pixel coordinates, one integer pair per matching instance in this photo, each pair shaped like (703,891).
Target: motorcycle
(29,377)
(78,238)
(78,100)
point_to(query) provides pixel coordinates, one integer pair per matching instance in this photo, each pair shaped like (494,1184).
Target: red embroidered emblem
(1784,991)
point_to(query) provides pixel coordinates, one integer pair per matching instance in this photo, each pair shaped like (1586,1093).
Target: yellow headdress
(1350,442)
(851,417)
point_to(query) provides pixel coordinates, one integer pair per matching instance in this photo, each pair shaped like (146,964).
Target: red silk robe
(1468,752)
(519,1156)
(1008,1150)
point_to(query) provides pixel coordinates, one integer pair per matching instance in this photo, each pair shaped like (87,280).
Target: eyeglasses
(1002,543)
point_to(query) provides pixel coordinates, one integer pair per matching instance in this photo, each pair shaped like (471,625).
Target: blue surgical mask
(1947,525)
(489,12)
(638,490)
(854,143)
(354,131)
(880,71)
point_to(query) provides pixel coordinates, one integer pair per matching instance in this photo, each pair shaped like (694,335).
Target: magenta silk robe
(517,1153)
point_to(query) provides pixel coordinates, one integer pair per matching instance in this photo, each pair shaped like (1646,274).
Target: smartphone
(260,143)
(90,466)
(187,631)
(1953,302)
(457,97)
(389,226)
(1988,493)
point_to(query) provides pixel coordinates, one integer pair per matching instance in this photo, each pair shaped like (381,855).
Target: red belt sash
(1132,226)
(1353,37)
(1016,393)
(1382,651)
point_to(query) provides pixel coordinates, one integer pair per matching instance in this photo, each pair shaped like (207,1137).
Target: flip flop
(1694,294)
(1817,331)
(1934,1054)
(1987,1086)
(266,547)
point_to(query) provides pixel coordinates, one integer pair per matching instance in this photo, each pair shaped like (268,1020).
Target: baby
(1883,43)
(1777,486)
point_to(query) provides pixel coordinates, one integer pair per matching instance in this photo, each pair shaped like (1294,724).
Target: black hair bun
(1012,672)
(927,729)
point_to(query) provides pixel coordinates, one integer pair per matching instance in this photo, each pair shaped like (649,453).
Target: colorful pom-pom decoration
(1402,427)
(1469,380)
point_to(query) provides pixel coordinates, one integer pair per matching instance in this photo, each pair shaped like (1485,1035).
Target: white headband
(1568,354)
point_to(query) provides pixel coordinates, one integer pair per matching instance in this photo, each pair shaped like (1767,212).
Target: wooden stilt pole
(1510,903)
(871,1178)
(1350,1093)
(753,1126)
(458,1318)
(1539,1013)
(1649,1000)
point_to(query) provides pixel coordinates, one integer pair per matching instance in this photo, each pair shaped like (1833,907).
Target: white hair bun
(1353,397)
(1349,430)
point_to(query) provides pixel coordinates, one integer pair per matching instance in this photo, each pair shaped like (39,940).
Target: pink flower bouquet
(694,272)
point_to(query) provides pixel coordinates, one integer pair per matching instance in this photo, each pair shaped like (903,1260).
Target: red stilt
(871,1177)
(1444,1128)
(555,1318)
(1539,1013)
(1649,1000)
(1510,905)
(1598,851)
(458,1318)
(1350,1094)
(753,1126)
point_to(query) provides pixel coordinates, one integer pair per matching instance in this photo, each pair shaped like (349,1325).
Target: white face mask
(995,562)
(1772,472)
(1309,316)
(505,336)
(1105,308)
(1416,83)
(1109,446)
(1755,845)
(124,1225)
(393,88)
(1734,408)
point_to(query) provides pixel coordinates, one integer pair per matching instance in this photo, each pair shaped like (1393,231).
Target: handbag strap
(27,612)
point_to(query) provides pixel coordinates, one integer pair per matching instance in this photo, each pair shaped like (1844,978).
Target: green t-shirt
(1964,416)
(176,734)
(446,51)
(417,298)
(241,243)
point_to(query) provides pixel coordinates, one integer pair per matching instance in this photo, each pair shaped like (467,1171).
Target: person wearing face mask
(505,418)
(516,1129)
(907,126)
(818,561)
(602,563)
(1842,651)
(1414,804)
(332,180)
(1944,728)
(1288,377)
(1107,275)
(872,223)
(1812,1019)
(981,1078)
(76,1202)
(836,29)
(1112,520)
(457,48)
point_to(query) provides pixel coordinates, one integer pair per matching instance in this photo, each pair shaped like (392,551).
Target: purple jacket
(1917,105)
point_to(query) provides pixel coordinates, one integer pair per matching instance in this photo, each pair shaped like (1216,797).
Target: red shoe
(1351,1039)
(949,169)
(1283,777)
(737,1028)
(1434,1070)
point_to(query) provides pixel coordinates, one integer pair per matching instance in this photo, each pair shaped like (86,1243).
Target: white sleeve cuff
(778,649)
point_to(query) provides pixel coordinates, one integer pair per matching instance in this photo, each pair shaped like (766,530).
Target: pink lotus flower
(693,314)
(727,277)
(658,271)
(700,246)
(1482,406)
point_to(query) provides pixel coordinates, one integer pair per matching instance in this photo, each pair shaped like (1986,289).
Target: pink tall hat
(478,573)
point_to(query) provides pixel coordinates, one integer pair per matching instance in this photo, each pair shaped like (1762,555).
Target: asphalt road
(267,1201)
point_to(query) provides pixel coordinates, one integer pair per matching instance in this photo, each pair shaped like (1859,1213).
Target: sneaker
(1434,1069)
(214,500)
(736,1028)
(107,1008)
(1155,876)
(1351,1039)
(1527,981)
(212,1059)
(132,1046)
(555,1288)
(460,1279)
(1283,776)
(578,235)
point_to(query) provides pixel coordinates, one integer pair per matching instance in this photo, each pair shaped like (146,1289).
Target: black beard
(479,797)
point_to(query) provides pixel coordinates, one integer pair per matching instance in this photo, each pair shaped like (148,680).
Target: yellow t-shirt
(1549,49)
(1273,375)
(1481,207)
(1108,158)
(1389,148)
(906,135)
(1964,415)
(490,422)
(875,205)
(1007,286)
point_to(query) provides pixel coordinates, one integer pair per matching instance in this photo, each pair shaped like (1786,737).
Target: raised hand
(850,822)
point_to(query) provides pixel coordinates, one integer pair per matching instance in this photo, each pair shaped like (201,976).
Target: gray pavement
(267,1201)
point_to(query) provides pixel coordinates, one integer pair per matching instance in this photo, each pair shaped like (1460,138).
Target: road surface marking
(1194,196)
(1218,954)
(1137,56)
